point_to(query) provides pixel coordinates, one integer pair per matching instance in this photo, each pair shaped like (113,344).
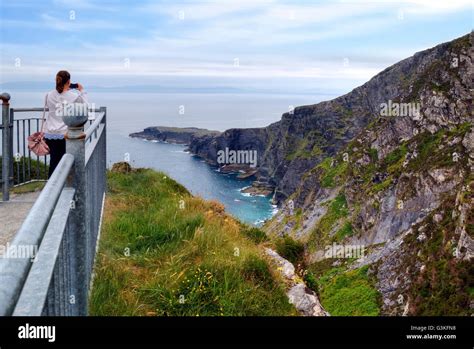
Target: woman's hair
(62,77)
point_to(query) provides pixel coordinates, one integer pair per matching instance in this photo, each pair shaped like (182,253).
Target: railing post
(6,135)
(104,121)
(75,145)
(12,155)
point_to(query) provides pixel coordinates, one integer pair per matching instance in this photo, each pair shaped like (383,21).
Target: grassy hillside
(164,252)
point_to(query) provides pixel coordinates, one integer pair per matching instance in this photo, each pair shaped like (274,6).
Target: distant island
(178,135)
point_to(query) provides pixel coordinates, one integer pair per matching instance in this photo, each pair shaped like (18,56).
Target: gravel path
(12,214)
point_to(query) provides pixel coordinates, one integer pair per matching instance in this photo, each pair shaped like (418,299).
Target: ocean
(132,112)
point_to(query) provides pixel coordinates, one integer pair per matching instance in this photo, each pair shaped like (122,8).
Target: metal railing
(7,146)
(23,166)
(62,228)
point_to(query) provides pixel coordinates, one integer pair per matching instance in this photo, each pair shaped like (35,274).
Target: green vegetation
(346,230)
(461,43)
(37,170)
(319,268)
(38,173)
(332,175)
(290,249)
(338,206)
(440,88)
(433,149)
(427,146)
(255,234)
(28,187)
(373,154)
(304,150)
(337,210)
(311,281)
(297,218)
(382,185)
(444,288)
(426,78)
(165,252)
(350,293)
(391,165)
(396,155)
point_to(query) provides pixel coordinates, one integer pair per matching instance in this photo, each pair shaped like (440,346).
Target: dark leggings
(57,148)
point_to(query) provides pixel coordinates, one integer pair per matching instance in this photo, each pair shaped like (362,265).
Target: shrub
(256,235)
(311,281)
(346,230)
(349,294)
(332,175)
(256,270)
(290,249)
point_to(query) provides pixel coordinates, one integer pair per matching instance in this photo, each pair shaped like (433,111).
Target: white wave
(274,210)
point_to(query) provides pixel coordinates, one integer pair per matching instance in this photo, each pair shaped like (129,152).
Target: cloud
(205,10)
(107,6)
(429,7)
(74,25)
(271,39)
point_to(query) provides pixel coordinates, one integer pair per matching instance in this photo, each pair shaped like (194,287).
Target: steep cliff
(403,189)
(303,138)
(397,184)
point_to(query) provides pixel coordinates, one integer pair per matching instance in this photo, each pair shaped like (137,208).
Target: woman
(54,128)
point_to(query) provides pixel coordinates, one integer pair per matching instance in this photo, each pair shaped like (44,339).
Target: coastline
(184,136)
(206,179)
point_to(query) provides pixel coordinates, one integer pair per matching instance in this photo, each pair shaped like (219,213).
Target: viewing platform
(47,264)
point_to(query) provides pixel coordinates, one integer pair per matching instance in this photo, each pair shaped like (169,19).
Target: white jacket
(53,123)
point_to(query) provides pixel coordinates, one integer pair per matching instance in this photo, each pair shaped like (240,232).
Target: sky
(286,46)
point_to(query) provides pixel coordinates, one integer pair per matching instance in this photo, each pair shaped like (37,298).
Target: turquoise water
(197,176)
(131,112)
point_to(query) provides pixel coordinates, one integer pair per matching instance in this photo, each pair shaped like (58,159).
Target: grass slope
(164,252)
(349,293)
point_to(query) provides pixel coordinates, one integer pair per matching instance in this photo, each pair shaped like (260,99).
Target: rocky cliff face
(400,184)
(303,138)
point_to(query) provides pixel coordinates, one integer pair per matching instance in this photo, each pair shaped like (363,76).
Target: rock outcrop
(176,135)
(304,299)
